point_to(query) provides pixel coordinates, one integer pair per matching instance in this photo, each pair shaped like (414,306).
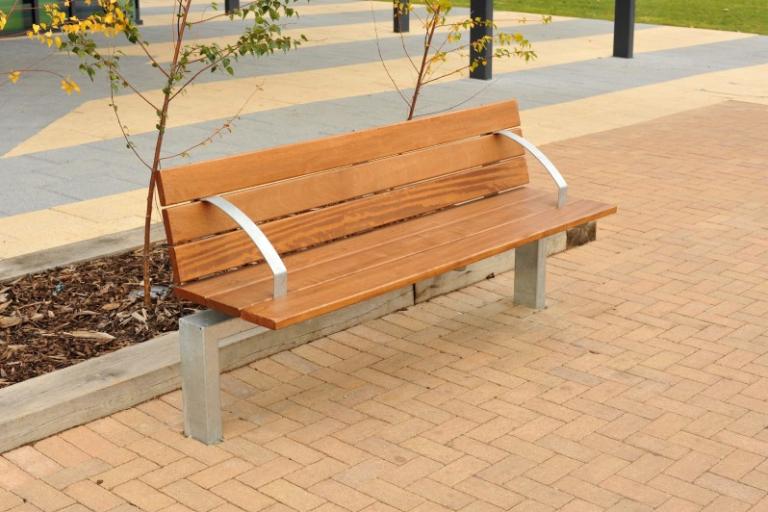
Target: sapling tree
(445,52)
(87,38)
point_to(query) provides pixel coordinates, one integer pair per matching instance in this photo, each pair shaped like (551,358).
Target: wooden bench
(343,219)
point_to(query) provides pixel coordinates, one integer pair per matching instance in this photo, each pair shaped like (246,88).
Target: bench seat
(350,270)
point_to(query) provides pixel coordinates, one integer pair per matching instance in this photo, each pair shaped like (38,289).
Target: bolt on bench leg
(530,274)
(200,382)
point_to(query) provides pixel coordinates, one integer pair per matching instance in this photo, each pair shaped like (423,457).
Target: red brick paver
(643,386)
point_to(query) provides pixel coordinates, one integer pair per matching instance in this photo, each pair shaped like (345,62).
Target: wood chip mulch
(64,316)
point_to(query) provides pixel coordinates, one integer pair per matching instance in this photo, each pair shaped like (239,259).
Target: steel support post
(530,274)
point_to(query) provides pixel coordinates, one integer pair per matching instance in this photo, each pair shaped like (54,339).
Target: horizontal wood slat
(195,181)
(350,255)
(432,260)
(222,252)
(197,219)
(199,291)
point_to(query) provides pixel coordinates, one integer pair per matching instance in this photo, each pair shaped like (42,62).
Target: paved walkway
(67,176)
(643,386)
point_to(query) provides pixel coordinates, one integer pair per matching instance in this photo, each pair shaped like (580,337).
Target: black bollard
(624,29)
(401,19)
(231,5)
(482,9)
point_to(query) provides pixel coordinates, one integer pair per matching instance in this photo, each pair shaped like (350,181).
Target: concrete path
(67,176)
(642,387)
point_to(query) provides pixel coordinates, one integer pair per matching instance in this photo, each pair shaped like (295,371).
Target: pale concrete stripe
(93,120)
(317,36)
(158,20)
(304,9)
(25,233)
(571,119)
(83,220)
(383,12)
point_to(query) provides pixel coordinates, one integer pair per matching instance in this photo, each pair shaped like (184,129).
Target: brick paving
(643,386)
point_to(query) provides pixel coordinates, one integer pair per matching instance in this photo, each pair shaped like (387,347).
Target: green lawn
(738,15)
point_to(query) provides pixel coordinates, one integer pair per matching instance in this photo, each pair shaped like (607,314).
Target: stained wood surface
(351,270)
(324,297)
(273,200)
(335,260)
(214,177)
(209,255)
(199,291)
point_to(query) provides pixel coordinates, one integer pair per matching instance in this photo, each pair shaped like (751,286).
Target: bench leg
(200,381)
(530,274)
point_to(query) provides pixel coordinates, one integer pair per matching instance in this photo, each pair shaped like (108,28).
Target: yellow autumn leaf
(69,86)
(3,20)
(14,76)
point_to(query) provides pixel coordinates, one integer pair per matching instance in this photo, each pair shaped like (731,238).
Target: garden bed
(59,317)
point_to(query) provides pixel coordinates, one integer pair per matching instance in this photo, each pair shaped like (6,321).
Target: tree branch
(405,50)
(128,142)
(431,27)
(31,70)
(455,71)
(203,70)
(126,83)
(381,58)
(151,58)
(218,130)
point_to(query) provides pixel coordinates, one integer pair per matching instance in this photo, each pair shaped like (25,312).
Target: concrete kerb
(48,404)
(77,252)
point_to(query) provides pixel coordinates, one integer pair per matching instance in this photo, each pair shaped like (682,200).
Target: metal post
(231,5)
(35,14)
(530,274)
(624,29)
(402,17)
(137,13)
(482,9)
(200,380)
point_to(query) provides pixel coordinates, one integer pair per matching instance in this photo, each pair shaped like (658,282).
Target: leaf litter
(54,319)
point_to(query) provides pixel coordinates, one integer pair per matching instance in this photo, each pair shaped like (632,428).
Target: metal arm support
(279,272)
(562,186)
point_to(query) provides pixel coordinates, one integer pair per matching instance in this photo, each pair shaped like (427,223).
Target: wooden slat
(453,253)
(365,254)
(215,177)
(200,291)
(210,255)
(197,219)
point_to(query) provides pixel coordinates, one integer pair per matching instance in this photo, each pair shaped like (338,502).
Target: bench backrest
(313,192)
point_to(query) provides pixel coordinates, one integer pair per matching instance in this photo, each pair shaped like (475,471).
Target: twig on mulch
(64,316)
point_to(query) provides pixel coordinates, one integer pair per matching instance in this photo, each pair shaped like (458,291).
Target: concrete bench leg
(200,380)
(530,274)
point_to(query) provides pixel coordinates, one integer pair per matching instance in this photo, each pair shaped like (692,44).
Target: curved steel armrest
(279,272)
(562,186)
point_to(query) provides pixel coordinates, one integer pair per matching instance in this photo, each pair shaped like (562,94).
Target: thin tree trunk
(422,68)
(150,202)
(163,119)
